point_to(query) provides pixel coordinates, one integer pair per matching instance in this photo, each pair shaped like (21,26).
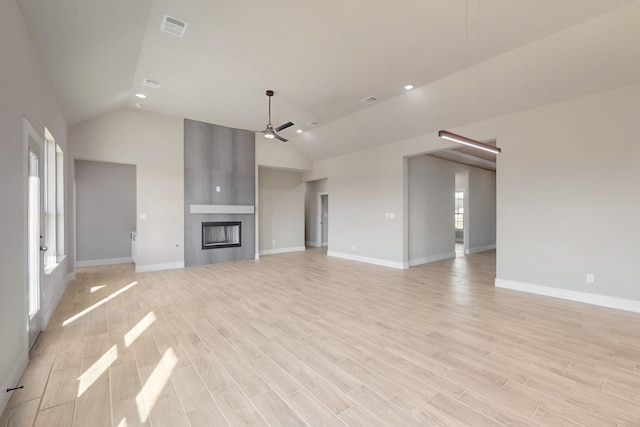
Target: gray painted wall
(311,210)
(431,202)
(481,210)
(281,211)
(105,210)
(217,156)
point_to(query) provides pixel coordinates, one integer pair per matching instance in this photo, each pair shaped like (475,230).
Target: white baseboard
(282,250)
(431,258)
(106,261)
(12,379)
(325,244)
(567,294)
(313,244)
(258,255)
(376,261)
(479,249)
(158,267)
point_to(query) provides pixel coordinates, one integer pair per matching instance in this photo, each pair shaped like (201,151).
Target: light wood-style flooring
(305,339)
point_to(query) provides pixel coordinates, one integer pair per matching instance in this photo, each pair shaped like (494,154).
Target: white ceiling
(322,57)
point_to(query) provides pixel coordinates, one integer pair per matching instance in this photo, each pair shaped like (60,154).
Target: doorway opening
(458,220)
(35,228)
(316,214)
(323,205)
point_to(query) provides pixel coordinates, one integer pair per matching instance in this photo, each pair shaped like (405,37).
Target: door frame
(319,225)
(30,133)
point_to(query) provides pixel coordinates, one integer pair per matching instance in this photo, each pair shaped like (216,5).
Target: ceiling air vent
(313,123)
(151,83)
(173,26)
(369,100)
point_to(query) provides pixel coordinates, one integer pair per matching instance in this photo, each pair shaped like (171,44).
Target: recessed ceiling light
(408,87)
(141,95)
(139,105)
(299,131)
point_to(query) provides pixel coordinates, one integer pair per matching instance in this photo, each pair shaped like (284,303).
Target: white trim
(54,298)
(282,250)
(158,267)
(221,209)
(479,249)
(12,379)
(312,244)
(49,270)
(325,244)
(105,261)
(567,294)
(257,255)
(377,261)
(431,258)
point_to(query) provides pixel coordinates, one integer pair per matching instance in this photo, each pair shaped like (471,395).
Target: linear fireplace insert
(221,235)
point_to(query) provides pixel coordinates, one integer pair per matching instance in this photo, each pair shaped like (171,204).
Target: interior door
(325,219)
(35,227)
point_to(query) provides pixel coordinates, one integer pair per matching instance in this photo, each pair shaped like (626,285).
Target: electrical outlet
(591,278)
(353,248)
(273,243)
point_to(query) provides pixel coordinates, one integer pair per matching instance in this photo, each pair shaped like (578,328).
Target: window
(53,202)
(459,210)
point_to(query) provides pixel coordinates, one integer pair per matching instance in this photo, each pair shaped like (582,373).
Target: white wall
(281,211)
(365,188)
(431,203)
(282,155)
(155,144)
(312,220)
(24,92)
(567,197)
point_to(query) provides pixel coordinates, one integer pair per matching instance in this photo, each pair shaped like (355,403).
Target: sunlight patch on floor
(139,329)
(98,304)
(155,384)
(101,366)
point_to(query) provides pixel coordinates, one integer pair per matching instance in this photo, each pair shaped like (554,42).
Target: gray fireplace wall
(219,168)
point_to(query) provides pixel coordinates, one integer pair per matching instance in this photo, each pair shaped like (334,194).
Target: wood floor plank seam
(303,338)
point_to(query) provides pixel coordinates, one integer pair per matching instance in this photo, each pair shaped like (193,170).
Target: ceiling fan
(270,132)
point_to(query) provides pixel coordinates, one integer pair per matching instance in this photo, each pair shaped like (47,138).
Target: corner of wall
(12,379)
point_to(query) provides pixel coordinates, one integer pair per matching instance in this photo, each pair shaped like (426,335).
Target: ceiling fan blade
(284,126)
(281,138)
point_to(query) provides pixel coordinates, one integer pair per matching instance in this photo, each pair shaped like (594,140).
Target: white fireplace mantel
(221,209)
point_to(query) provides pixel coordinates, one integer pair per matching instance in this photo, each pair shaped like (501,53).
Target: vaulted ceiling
(321,58)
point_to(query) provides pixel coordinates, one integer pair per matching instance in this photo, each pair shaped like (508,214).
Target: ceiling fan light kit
(270,132)
(468,141)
